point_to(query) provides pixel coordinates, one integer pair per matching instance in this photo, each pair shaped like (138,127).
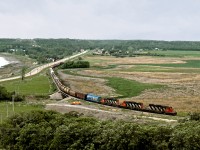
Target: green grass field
(150,68)
(104,67)
(129,88)
(177,53)
(188,64)
(19,107)
(191,66)
(36,85)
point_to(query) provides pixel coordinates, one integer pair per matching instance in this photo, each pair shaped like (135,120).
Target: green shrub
(51,130)
(76,64)
(5,95)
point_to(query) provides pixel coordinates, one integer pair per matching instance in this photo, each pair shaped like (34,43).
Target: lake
(3,62)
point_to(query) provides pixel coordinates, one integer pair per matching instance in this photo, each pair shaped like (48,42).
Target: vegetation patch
(5,95)
(150,68)
(76,64)
(189,64)
(104,67)
(176,53)
(51,130)
(129,88)
(36,85)
(6,108)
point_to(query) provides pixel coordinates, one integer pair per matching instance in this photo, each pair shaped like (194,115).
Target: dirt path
(40,68)
(104,115)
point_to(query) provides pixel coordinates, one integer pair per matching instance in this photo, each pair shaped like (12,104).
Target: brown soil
(182,92)
(87,84)
(182,89)
(104,61)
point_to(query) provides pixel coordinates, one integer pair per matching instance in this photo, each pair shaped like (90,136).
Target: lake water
(3,62)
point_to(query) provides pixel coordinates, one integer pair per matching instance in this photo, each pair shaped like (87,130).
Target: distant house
(13,50)
(98,52)
(82,50)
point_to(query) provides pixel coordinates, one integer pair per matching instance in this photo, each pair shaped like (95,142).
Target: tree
(23,72)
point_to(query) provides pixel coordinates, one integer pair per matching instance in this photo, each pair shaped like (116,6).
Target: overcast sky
(101,19)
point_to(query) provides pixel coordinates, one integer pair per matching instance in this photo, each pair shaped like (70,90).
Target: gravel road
(103,114)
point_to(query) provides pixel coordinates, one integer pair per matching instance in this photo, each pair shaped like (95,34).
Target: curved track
(152,108)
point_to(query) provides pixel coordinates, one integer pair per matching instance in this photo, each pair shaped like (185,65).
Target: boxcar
(81,95)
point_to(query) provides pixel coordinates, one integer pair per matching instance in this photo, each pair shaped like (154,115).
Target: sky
(101,19)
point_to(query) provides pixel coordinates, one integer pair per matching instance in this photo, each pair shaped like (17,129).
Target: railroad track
(151,108)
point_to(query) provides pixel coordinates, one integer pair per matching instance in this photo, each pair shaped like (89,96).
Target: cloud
(101,19)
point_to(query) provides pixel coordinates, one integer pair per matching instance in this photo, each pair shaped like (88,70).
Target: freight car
(111,101)
(93,98)
(81,95)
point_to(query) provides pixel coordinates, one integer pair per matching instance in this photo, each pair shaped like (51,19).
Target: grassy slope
(36,85)
(19,107)
(129,88)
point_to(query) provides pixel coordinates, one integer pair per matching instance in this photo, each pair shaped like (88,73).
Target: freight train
(167,110)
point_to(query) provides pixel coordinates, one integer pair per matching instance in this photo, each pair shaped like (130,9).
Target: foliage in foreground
(51,130)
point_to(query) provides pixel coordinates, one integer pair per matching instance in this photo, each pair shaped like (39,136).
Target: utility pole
(7,107)
(13,103)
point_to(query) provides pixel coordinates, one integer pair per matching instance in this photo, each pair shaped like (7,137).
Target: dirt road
(40,68)
(103,114)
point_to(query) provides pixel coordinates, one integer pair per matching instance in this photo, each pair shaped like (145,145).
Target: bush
(195,116)
(51,130)
(5,95)
(76,64)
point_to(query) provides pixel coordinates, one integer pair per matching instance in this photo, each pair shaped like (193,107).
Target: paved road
(40,68)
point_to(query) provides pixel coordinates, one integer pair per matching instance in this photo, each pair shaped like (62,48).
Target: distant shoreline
(3,62)
(7,60)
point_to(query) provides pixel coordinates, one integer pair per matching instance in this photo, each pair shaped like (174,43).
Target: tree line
(52,130)
(44,50)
